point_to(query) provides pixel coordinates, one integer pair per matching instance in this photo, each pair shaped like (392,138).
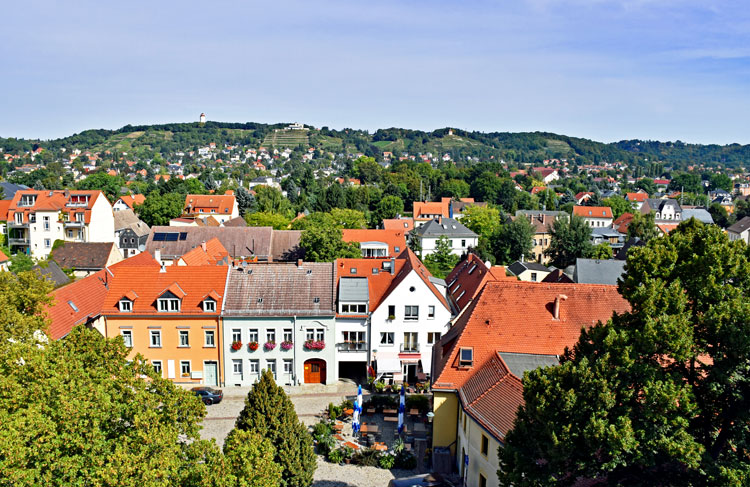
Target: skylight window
(72,305)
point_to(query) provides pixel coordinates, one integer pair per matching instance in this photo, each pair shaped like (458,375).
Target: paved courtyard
(309,401)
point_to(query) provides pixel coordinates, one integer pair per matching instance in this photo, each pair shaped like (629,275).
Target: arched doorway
(315,371)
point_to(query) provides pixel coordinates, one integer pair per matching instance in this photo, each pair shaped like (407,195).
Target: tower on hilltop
(203,118)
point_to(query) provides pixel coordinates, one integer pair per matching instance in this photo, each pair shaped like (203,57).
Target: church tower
(203,118)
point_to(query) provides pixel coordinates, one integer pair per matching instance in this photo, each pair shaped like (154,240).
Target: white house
(595,216)
(459,237)
(740,230)
(37,218)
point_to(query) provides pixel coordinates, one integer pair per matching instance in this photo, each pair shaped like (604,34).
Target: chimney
(157,255)
(299,262)
(558,299)
(203,245)
(393,265)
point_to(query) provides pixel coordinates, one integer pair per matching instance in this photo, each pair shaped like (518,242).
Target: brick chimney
(558,300)
(299,262)
(203,245)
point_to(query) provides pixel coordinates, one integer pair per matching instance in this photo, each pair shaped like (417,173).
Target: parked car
(208,395)
(425,480)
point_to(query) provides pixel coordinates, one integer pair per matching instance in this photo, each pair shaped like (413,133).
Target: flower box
(252,346)
(268,346)
(315,344)
(236,345)
(287,345)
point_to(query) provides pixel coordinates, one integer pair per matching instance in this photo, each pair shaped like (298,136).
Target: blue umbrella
(359,398)
(401,410)
(355,418)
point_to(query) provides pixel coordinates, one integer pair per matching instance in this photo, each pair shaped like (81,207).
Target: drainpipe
(294,356)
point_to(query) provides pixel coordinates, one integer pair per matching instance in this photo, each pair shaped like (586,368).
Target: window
(79,217)
(236,335)
(472,268)
(46,223)
(184,338)
(354,340)
(411,312)
(70,233)
(287,334)
(209,338)
(254,366)
(391,311)
(533,277)
(155,338)
(320,334)
(169,305)
(271,365)
(410,342)
(271,336)
(185,368)
(209,306)
(386,338)
(466,357)
(127,337)
(47,243)
(126,306)
(252,335)
(485,445)
(463,243)
(433,337)
(430,312)
(396,249)
(482,480)
(237,366)
(354,308)
(288,366)
(156,364)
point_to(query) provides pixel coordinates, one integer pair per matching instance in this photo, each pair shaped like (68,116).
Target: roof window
(466,357)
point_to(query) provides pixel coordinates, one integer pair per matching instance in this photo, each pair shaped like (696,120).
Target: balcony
(73,224)
(15,224)
(352,346)
(409,348)
(18,241)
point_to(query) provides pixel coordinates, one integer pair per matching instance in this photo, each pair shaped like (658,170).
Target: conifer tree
(270,413)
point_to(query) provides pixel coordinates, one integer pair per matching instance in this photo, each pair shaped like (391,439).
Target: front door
(210,371)
(315,371)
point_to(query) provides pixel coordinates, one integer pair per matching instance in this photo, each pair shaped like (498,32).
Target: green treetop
(569,239)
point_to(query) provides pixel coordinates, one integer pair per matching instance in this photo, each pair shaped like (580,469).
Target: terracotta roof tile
(4,206)
(593,211)
(404,224)
(468,278)
(395,239)
(58,200)
(518,317)
(220,204)
(210,252)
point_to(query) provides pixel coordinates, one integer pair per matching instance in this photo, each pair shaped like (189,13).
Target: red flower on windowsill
(252,346)
(236,345)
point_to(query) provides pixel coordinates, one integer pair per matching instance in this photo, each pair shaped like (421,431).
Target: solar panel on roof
(160,237)
(172,237)
(183,235)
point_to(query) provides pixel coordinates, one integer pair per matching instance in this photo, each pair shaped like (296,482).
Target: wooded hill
(524,147)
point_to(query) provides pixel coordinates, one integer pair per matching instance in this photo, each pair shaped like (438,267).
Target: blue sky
(601,69)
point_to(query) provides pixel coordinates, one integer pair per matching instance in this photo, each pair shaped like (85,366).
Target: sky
(607,70)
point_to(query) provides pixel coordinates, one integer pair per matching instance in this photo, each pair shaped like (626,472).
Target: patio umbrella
(401,410)
(359,397)
(355,418)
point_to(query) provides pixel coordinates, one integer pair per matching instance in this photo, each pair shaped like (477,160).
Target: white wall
(38,235)
(102,226)
(429,244)
(423,297)
(470,442)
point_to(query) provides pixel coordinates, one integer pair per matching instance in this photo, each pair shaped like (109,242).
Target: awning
(388,364)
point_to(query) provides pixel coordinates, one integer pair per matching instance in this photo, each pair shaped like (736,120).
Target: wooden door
(315,371)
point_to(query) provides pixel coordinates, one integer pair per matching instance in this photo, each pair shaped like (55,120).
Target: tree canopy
(659,395)
(569,239)
(325,243)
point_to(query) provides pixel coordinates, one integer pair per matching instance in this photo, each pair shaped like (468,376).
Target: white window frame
(461,361)
(433,337)
(169,305)
(271,365)
(271,335)
(254,366)
(189,368)
(411,341)
(154,343)
(320,334)
(431,312)
(212,334)
(253,335)
(186,335)
(209,306)
(126,306)
(47,243)
(409,312)
(156,364)
(288,335)
(127,337)
(387,338)
(236,335)
(237,366)
(288,366)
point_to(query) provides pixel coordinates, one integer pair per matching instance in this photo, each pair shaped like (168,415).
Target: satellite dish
(142,248)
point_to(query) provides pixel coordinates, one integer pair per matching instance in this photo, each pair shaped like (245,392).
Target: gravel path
(330,475)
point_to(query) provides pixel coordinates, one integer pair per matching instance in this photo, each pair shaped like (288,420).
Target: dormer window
(169,305)
(126,306)
(209,306)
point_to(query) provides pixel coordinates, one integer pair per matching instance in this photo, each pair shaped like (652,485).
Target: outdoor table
(338,427)
(351,445)
(390,411)
(348,412)
(380,447)
(369,428)
(414,412)
(391,419)
(419,428)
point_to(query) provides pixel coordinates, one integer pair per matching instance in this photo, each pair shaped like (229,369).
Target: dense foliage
(659,395)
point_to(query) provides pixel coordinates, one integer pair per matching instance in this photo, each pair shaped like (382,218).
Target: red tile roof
(405,224)
(4,206)
(208,253)
(88,296)
(221,204)
(583,194)
(518,317)
(396,239)
(639,197)
(468,278)
(424,209)
(149,283)
(593,211)
(492,396)
(131,201)
(623,222)
(3,257)
(54,201)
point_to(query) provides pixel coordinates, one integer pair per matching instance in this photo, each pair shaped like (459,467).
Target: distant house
(459,237)
(529,271)
(582,197)
(622,222)
(424,211)
(595,216)
(468,278)
(457,208)
(542,222)
(637,199)
(546,174)
(405,224)
(222,207)
(700,214)
(130,233)
(207,253)
(608,235)
(740,230)
(52,273)
(665,211)
(85,258)
(377,242)
(595,271)
(661,184)
(128,202)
